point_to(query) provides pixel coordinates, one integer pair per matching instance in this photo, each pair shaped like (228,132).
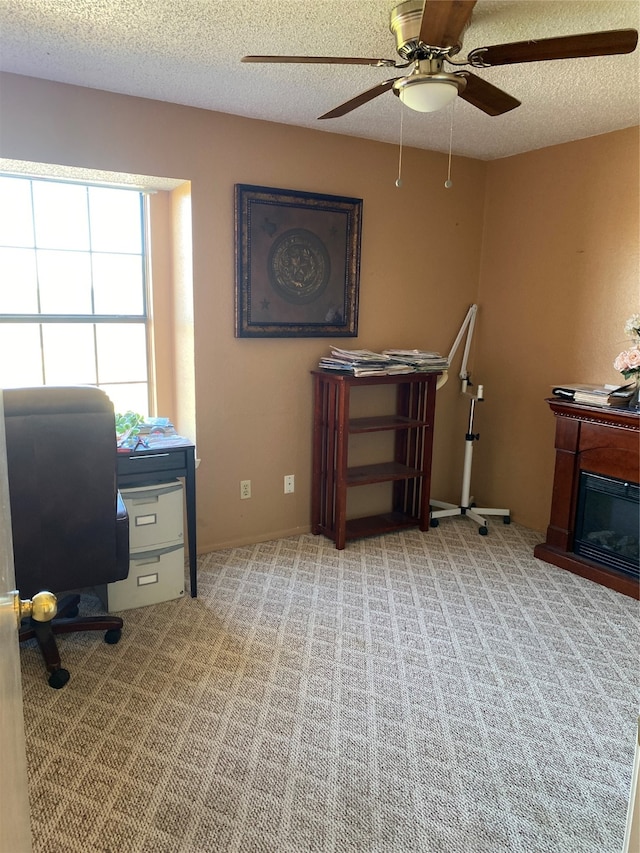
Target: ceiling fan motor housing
(405,22)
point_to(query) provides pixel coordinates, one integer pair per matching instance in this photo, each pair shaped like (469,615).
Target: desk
(147,466)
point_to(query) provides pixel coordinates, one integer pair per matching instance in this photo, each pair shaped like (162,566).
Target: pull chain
(449,183)
(399,178)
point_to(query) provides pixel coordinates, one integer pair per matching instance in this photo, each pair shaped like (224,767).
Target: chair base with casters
(66,621)
(70,526)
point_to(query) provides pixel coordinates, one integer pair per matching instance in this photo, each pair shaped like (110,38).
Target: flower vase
(634,400)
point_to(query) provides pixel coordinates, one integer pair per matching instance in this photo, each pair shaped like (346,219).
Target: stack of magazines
(421,360)
(362,362)
(607,396)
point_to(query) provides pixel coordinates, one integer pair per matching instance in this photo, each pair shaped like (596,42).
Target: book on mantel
(607,396)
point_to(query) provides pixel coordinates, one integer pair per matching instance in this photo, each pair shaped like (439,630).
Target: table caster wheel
(483,530)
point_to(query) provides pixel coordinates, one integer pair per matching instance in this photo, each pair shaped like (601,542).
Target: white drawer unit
(155,575)
(156,548)
(155,515)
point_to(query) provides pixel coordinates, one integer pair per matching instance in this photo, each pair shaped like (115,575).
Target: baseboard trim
(252,540)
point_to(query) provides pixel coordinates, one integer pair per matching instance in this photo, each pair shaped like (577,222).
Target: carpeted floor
(439,692)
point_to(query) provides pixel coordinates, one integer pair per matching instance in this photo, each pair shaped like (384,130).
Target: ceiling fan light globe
(426,95)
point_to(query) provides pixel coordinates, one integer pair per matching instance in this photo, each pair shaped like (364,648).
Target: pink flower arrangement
(628,362)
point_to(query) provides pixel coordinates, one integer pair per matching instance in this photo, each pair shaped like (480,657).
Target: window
(73,288)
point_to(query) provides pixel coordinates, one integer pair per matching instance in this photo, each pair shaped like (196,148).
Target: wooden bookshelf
(409,471)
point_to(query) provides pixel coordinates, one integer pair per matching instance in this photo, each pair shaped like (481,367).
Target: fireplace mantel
(601,441)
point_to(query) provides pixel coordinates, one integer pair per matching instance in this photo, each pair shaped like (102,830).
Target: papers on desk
(153,434)
(154,442)
(158,441)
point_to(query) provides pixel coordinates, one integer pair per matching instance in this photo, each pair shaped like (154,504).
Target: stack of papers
(421,360)
(362,362)
(358,362)
(153,433)
(608,396)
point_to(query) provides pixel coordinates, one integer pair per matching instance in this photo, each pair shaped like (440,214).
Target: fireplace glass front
(607,528)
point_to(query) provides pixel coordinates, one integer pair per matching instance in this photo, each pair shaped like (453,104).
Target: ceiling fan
(428,33)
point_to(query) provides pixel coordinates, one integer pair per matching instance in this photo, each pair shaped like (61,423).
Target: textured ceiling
(189,52)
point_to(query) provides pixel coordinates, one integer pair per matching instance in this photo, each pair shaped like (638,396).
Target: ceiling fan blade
(331,60)
(486,96)
(444,20)
(360,99)
(606,43)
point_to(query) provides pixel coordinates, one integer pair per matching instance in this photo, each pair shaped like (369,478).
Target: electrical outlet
(289,484)
(245,489)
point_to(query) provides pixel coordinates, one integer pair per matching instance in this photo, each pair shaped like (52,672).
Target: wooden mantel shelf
(602,441)
(621,418)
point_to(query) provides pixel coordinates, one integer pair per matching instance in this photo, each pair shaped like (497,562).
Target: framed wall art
(297,263)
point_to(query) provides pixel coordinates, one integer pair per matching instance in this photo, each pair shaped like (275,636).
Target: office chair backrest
(61,458)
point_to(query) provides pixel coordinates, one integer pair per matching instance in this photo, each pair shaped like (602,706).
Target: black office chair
(69,524)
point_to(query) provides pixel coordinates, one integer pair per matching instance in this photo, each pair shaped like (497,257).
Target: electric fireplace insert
(607,526)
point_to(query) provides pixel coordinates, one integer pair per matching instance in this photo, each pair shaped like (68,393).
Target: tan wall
(546,242)
(419,272)
(560,275)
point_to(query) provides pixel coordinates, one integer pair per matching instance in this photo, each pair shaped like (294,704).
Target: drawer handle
(154,499)
(145,580)
(147,561)
(150,456)
(153,555)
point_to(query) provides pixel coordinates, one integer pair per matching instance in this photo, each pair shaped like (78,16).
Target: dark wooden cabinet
(596,440)
(409,471)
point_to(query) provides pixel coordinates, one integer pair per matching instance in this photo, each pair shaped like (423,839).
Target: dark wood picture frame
(297,263)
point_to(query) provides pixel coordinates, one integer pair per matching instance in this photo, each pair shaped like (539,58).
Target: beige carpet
(439,692)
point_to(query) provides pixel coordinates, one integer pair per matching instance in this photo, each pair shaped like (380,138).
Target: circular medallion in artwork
(299,266)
